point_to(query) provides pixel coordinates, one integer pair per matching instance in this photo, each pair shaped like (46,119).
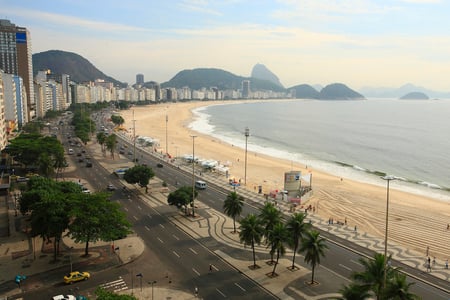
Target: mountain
(386,92)
(223,80)
(62,62)
(260,71)
(415,96)
(305,91)
(339,91)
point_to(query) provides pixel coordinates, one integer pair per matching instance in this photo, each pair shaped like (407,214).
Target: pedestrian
(428,267)
(434,261)
(355,229)
(428,250)
(448,225)
(446,263)
(345,221)
(210,268)
(196,291)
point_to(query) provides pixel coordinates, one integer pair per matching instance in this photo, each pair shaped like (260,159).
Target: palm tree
(232,206)
(296,227)
(251,233)
(354,292)
(269,216)
(277,238)
(398,288)
(313,245)
(373,275)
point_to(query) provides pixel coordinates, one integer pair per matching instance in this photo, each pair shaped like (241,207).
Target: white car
(64,297)
(85,190)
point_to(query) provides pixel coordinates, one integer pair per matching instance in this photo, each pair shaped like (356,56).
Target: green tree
(139,174)
(251,233)
(101,139)
(117,120)
(96,218)
(277,237)
(296,228)
(111,142)
(181,197)
(355,292)
(269,216)
(399,289)
(313,246)
(232,206)
(372,276)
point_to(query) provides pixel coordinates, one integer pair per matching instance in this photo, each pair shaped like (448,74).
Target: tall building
(140,79)
(16,58)
(246,89)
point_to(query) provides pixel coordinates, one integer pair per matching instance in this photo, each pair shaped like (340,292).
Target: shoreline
(361,204)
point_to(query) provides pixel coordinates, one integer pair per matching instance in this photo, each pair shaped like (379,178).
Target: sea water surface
(360,140)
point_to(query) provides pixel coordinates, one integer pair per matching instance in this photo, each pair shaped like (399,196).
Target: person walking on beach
(428,264)
(446,263)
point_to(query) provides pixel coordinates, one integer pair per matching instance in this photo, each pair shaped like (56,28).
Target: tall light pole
(193,174)
(247,134)
(134,139)
(167,147)
(388,178)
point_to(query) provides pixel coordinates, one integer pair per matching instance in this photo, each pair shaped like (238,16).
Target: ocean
(359,140)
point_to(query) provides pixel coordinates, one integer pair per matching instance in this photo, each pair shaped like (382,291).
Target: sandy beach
(416,222)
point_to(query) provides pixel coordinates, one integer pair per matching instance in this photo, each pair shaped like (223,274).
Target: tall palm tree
(296,228)
(251,232)
(398,288)
(278,236)
(355,292)
(269,216)
(373,275)
(313,245)
(232,206)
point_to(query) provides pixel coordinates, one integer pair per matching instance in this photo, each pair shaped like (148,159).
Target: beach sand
(416,222)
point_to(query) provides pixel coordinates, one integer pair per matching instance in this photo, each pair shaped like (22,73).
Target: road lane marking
(176,254)
(236,284)
(147,228)
(160,240)
(345,267)
(193,251)
(135,218)
(126,209)
(175,237)
(356,262)
(140,208)
(149,216)
(195,271)
(223,295)
(162,226)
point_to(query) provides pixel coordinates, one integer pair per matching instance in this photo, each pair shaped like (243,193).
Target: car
(111,187)
(80,159)
(76,276)
(79,154)
(159,165)
(85,190)
(88,164)
(121,152)
(130,152)
(64,297)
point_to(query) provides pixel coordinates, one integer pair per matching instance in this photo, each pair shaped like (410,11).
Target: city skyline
(358,43)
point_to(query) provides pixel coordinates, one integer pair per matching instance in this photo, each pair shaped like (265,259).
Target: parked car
(159,165)
(88,164)
(111,187)
(64,297)
(76,276)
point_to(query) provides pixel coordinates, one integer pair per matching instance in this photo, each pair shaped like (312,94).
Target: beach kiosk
(292,185)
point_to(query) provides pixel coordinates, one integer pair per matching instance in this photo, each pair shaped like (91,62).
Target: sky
(361,43)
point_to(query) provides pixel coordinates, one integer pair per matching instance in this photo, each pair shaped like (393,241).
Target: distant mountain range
(262,79)
(62,62)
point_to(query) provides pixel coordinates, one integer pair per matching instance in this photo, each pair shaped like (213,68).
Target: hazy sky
(356,42)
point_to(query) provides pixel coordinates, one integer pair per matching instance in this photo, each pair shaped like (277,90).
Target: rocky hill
(260,71)
(79,68)
(339,91)
(415,96)
(223,80)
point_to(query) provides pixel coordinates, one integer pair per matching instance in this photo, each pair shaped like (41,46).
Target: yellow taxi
(76,276)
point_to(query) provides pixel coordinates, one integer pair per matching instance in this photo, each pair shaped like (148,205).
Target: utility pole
(193,175)
(134,139)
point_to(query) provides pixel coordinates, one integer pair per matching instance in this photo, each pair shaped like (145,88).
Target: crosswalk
(115,286)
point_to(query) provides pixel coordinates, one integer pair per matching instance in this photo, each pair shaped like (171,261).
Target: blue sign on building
(21,37)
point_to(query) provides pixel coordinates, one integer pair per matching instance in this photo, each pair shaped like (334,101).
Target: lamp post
(70,257)
(193,174)
(152,283)
(134,139)
(140,279)
(247,134)
(167,146)
(388,178)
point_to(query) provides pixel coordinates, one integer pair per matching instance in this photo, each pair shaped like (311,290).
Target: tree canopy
(139,174)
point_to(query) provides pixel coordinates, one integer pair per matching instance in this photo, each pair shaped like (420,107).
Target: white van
(201,185)
(71,151)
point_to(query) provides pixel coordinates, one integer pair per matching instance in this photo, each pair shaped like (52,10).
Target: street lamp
(152,283)
(70,257)
(134,139)
(193,174)
(140,279)
(167,147)
(247,133)
(388,178)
